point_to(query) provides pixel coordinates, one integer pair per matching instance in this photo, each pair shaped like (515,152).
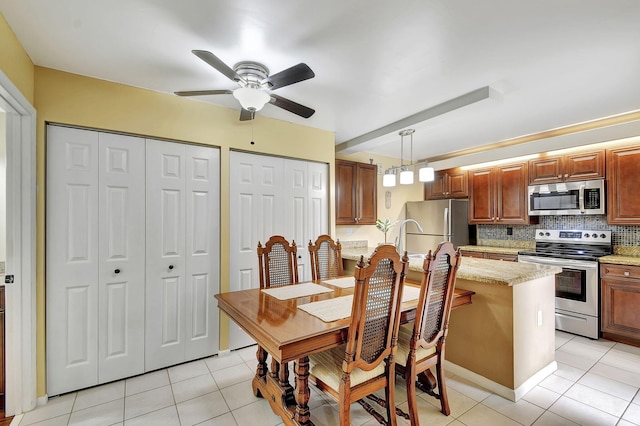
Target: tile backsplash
(621,235)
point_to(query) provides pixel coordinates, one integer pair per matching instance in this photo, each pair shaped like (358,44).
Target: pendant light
(425,173)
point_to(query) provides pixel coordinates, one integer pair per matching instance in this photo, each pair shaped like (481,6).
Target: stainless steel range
(578,285)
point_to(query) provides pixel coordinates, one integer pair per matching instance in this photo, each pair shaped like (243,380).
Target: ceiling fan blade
(216,63)
(246,115)
(289,76)
(291,106)
(203,92)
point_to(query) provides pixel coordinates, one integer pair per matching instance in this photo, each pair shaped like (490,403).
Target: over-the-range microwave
(567,198)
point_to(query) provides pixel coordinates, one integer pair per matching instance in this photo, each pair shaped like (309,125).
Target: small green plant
(385,226)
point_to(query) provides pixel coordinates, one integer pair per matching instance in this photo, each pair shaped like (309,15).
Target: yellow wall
(399,195)
(81,101)
(14,61)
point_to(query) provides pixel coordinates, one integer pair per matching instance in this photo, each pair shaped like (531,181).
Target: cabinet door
(122,257)
(623,180)
(367,194)
(72,259)
(458,186)
(481,196)
(545,170)
(202,250)
(511,189)
(165,254)
(620,301)
(437,189)
(584,165)
(346,192)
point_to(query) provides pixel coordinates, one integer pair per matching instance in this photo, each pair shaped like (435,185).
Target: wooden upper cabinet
(499,194)
(623,181)
(450,183)
(356,193)
(569,167)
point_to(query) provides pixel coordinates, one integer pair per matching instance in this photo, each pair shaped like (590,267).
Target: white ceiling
(549,63)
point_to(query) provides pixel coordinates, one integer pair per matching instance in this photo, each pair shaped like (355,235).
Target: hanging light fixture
(425,173)
(251,98)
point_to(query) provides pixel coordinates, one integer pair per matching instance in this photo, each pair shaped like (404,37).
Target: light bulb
(426,174)
(389,179)
(406,177)
(251,99)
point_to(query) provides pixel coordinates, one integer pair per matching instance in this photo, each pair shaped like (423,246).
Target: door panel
(203,251)
(121,270)
(72,259)
(165,254)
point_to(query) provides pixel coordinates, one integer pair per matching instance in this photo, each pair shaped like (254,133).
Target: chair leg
(442,389)
(390,394)
(410,379)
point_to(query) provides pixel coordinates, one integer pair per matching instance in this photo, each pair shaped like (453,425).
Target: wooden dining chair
(278,266)
(422,345)
(277,262)
(366,362)
(326,258)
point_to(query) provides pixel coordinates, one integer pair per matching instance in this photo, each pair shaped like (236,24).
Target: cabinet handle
(626,273)
(566,175)
(559,176)
(170,266)
(117,271)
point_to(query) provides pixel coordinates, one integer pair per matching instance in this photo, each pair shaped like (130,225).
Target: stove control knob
(594,235)
(586,235)
(547,234)
(603,236)
(541,234)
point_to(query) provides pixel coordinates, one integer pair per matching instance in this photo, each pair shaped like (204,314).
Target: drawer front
(621,271)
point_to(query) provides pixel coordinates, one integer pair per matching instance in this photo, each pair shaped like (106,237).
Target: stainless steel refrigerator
(441,220)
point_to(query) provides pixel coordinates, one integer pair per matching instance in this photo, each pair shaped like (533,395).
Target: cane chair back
(326,258)
(423,346)
(278,262)
(366,363)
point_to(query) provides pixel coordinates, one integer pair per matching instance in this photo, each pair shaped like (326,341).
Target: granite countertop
(492,249)
(481,270)
(620,260)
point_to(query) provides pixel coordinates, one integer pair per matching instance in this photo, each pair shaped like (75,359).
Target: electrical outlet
(509,231)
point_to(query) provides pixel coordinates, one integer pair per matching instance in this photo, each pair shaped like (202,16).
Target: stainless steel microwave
(567,198)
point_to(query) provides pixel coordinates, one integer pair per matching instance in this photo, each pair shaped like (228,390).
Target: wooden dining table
(288,333)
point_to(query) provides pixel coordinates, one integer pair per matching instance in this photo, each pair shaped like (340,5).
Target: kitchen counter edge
(473,269)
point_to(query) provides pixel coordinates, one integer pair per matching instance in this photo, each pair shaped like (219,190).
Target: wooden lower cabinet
(620,299)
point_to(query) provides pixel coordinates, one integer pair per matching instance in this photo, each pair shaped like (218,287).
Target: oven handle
(558,262)
(581,198)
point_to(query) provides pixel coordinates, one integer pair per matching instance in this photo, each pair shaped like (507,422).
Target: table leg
(302,392)
(427,382)
(261,370)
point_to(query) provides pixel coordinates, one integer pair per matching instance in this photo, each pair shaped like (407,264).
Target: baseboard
(224,353)
(497,388)
(42,400)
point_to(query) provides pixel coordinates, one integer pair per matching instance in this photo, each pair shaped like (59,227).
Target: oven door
(576,285)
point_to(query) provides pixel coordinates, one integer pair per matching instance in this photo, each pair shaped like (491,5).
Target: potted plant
(384,226)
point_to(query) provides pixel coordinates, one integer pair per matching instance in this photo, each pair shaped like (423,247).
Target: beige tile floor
(596,383)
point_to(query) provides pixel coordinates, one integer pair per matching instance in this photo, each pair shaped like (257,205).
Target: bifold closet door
(182,253)
(95,212)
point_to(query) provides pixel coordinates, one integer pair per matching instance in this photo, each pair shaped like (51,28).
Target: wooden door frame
(21,379)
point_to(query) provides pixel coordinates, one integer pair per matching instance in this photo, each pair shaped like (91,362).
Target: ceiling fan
(256,85)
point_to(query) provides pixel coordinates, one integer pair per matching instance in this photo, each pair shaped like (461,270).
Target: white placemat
(340,307)
(296,290)
(410,293)
(331,309)
(344,282)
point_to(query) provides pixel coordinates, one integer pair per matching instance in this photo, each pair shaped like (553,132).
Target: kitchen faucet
(398,239)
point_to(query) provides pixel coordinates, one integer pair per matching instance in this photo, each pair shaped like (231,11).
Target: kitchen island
(505,340)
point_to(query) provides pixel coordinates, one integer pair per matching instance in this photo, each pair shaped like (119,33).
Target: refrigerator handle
(446,223)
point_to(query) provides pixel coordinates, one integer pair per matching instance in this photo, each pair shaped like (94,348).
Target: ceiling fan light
(389,179)
(406,177)
(426,174)
(251,99)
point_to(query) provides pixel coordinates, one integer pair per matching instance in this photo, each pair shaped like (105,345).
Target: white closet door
(122,256)
(165,294)
(202,250)
(256,213)
(318,205)
(296,205)
(72,259)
